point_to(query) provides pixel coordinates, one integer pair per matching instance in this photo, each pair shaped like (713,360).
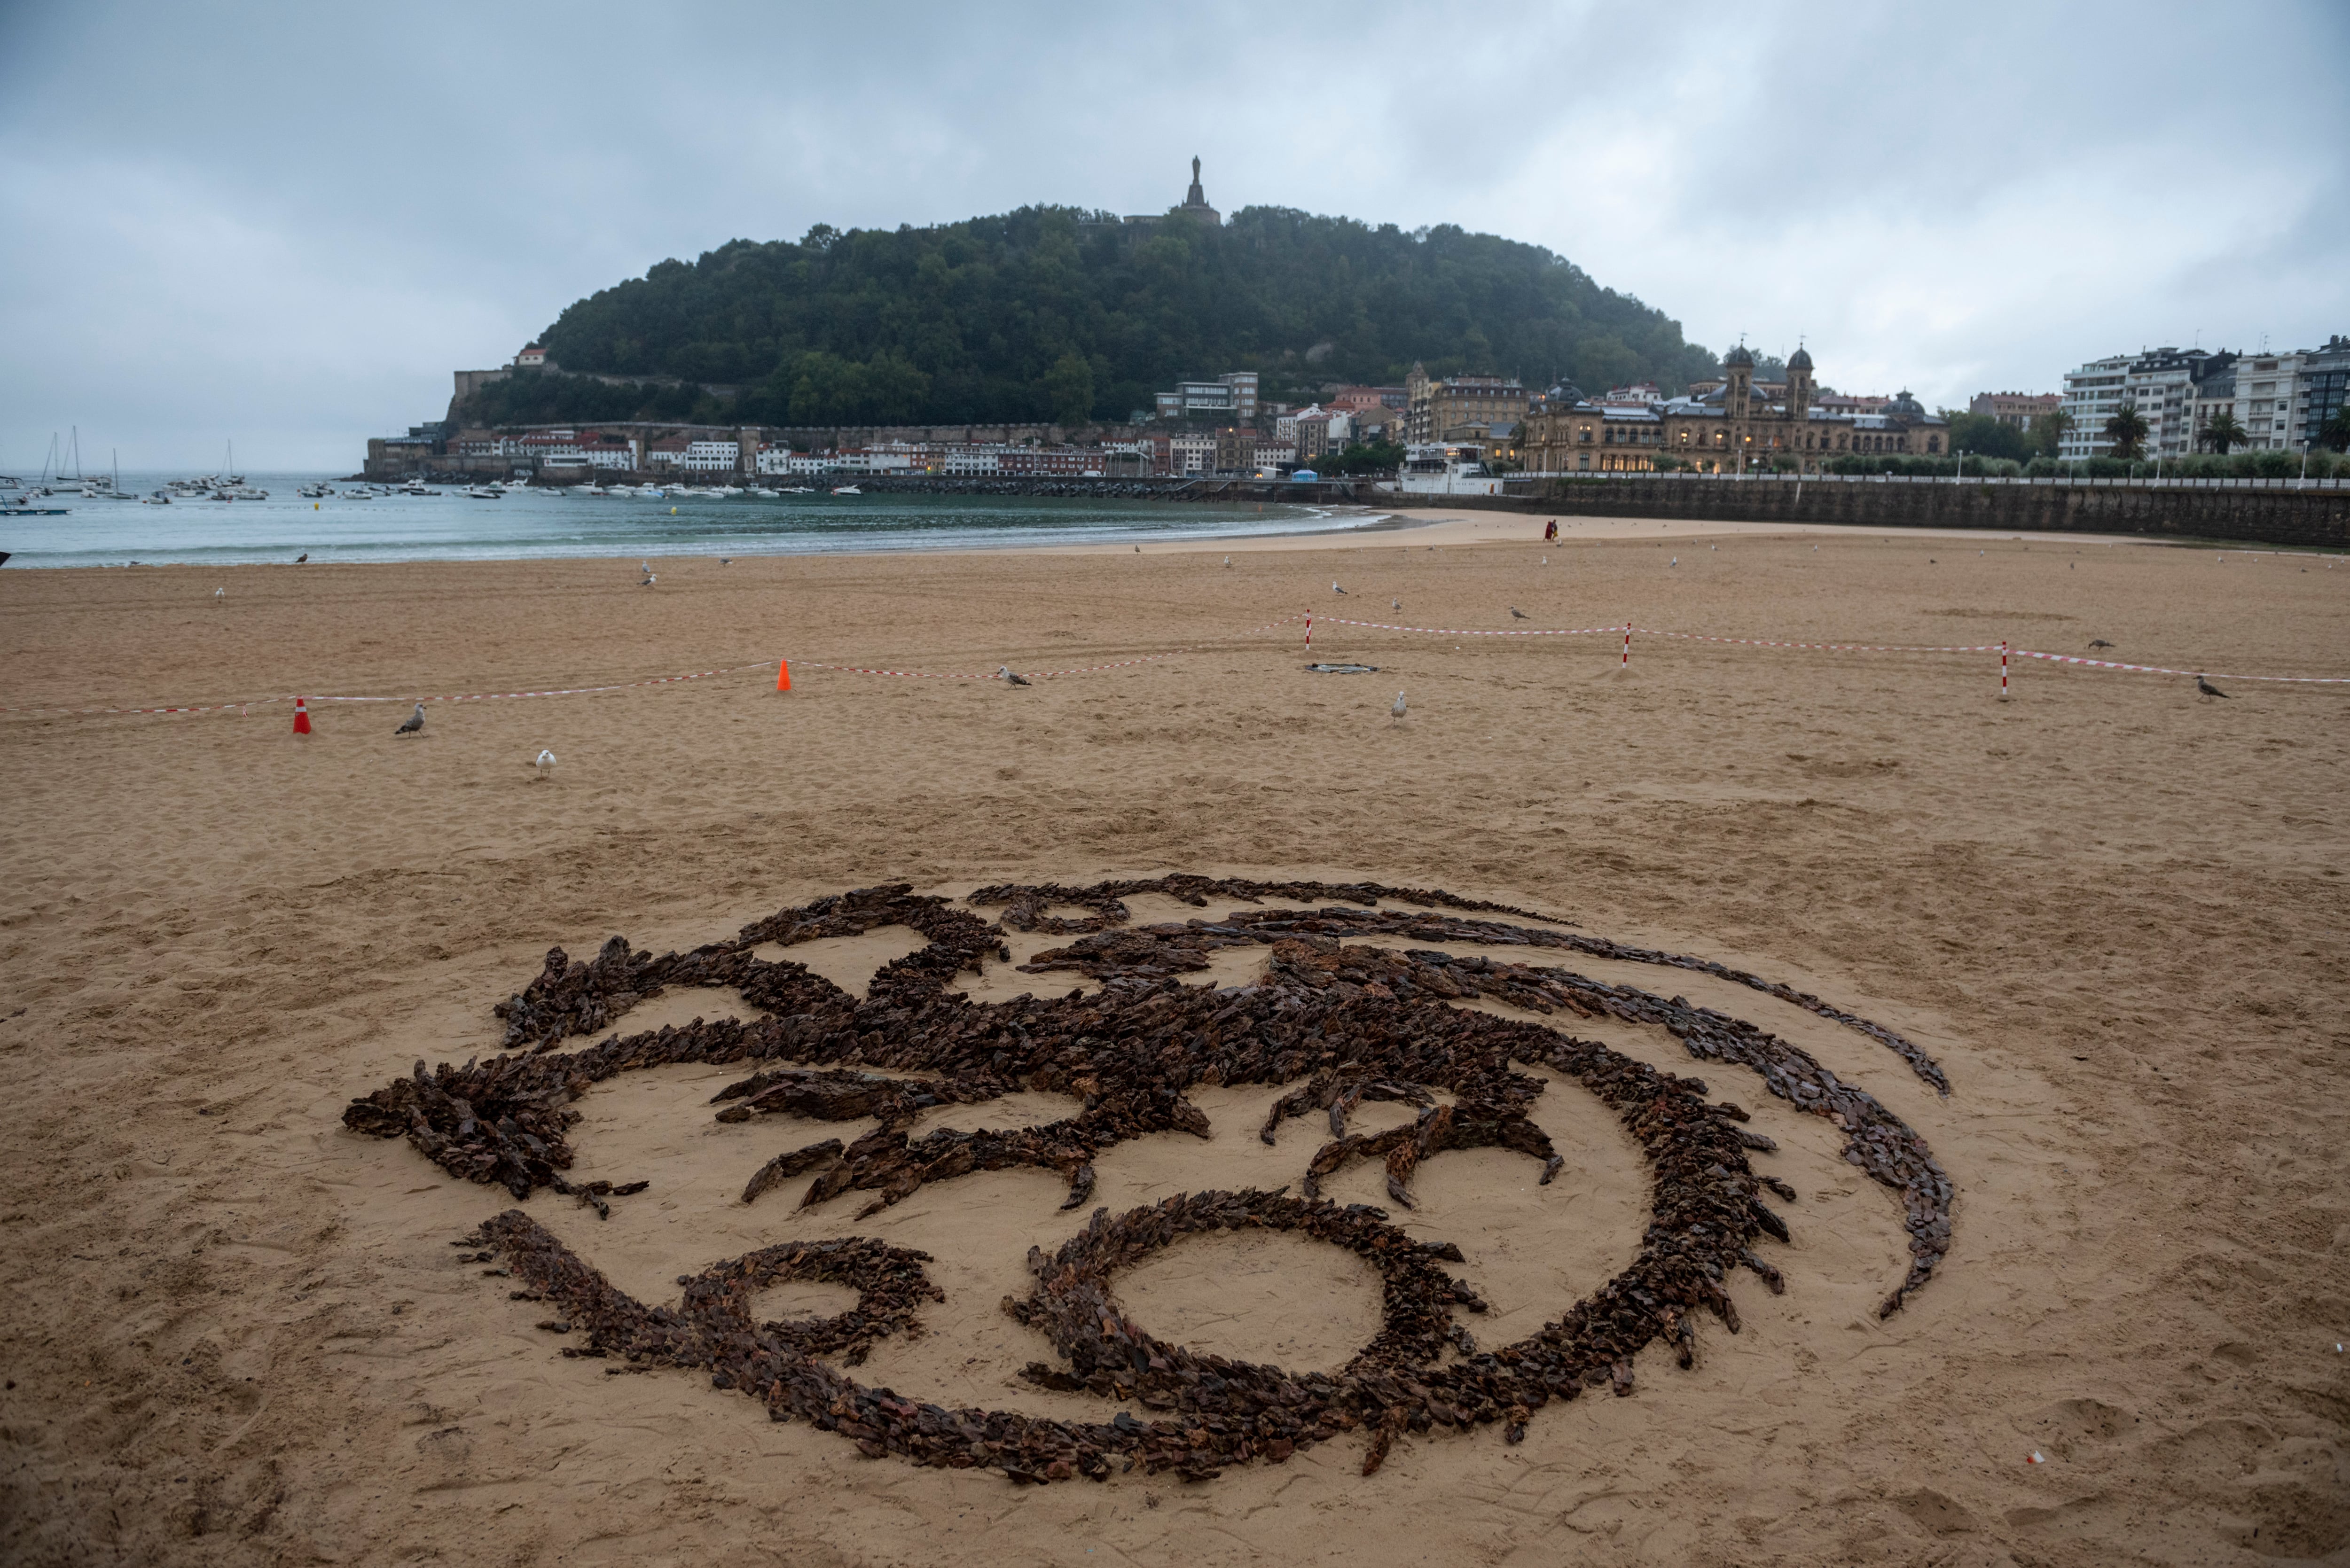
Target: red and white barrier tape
(2162,670)
(1463,631)
(555,691)
(189,708)
(1040,674)
(1625,628)
(1824,647)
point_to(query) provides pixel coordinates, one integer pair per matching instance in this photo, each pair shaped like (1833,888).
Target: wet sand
(2114,911)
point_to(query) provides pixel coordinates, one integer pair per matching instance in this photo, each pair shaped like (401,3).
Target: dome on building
(1801,359)
(1739,356)
(1905,407)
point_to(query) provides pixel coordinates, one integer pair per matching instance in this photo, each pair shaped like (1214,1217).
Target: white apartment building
(1188,454)
(570,449)
(2160,383)
(783,460)
(710,456)
(2271,396)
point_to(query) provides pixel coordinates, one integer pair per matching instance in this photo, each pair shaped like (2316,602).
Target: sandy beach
(2113,911)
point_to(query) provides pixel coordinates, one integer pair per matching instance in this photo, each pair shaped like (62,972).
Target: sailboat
(113,490)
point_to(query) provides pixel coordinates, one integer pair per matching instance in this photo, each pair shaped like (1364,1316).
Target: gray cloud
(287,223)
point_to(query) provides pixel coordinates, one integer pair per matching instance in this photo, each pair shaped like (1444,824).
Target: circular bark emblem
(1340,1019)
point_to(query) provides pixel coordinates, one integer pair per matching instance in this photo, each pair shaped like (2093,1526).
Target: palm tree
(2223,431)
(2048,431)
(2127,431)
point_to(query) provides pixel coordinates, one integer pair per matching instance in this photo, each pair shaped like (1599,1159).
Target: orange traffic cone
(301,717)
(783,675)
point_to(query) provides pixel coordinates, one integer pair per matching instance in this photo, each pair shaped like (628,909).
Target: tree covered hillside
(1050,313)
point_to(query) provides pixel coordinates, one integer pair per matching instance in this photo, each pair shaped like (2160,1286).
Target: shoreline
(1400,527)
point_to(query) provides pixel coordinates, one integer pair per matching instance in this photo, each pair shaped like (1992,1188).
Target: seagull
(219,594)
(1227,563)
(646,568)
(546,764)
(415,725)
(1003,672)
(1517,614)
(1336,589)
(648,582)
(2099,642)
(1674,562)
(1396,605)
(725,560)
(2206,688)
(302,558)
(1138,549)
(1397,710)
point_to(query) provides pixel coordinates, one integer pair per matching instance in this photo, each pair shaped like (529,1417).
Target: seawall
(2252,512)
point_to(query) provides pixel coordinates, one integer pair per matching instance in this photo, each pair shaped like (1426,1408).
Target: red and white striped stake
(1628,646)
(2002,671)
(1309,631)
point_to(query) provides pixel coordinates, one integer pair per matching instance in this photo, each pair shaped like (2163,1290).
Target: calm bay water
(534,524)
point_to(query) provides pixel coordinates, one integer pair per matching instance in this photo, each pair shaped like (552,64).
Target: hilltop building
(1230,396)
(1731,426)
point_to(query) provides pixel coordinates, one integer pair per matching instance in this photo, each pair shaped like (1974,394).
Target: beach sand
(2115,912)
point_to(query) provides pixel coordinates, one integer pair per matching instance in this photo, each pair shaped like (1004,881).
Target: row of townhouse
(2280,402)
(556,449)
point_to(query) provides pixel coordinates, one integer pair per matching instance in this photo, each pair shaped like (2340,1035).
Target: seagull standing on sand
(1517,614)
(546,764)
(1003,672)
(1398,711)
(1227,563)
(648,581)
(1336,589)
(2099,642)
(415,725)
(219,594)
(1396,605)
(304,555)
(2208,689)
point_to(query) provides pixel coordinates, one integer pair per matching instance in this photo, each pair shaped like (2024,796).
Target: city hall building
(1712,433)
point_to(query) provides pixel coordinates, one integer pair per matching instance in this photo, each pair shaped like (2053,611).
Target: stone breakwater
(1344,1021)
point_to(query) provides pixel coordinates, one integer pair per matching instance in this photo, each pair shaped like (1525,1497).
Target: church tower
(1737,389)
(1799,386)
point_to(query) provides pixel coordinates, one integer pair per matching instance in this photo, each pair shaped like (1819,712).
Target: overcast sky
(286,224)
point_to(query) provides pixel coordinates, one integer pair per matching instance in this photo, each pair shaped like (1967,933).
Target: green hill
(1052,313)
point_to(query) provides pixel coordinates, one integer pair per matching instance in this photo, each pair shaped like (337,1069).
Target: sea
(532,524)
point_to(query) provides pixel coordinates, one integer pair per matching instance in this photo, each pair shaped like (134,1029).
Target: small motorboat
(316,491)
(764,493)
(485,492)
(156,498)
(847,490)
